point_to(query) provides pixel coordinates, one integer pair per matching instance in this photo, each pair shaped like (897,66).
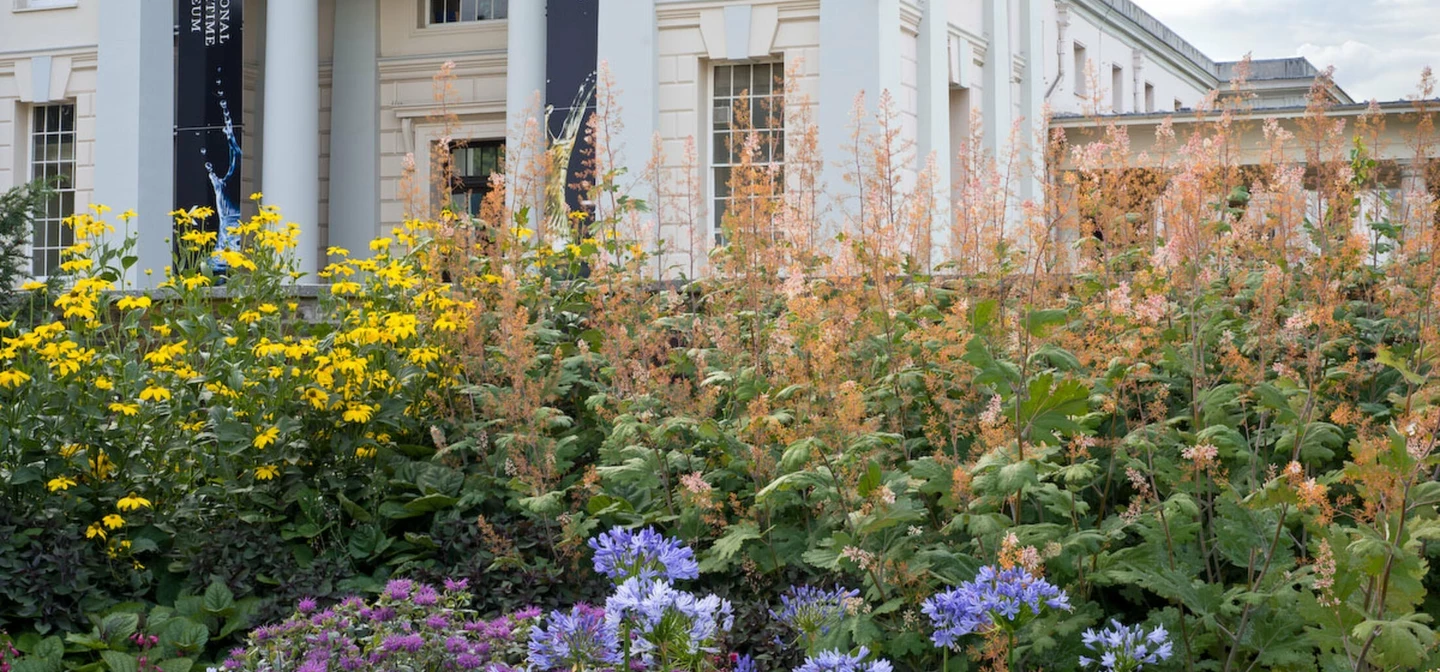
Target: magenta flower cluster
(409,626)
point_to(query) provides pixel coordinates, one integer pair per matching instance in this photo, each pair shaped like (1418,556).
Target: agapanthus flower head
(995,598)
(582,638)
(812,611)
(1125,648)
(666,618)
(742,662)
(840,661)
(622,554)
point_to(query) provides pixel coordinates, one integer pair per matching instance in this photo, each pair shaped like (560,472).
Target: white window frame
(32,136)
(1081,57)
(713,186)
(427,14)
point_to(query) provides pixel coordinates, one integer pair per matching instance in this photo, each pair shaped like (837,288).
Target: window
(459,11)
(1117,89)
(474,162)
(1149,97)
(1081,62)
(747,97)
(52,159)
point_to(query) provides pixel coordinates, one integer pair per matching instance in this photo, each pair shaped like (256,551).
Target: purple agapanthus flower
(743,663)
(812,611)
(656,611)
(621,554)
(839,661)
(1124,648)
(994,598)
(581,638)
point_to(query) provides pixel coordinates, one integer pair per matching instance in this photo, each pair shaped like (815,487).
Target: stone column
(291,160)
(524,97)
(859,52)
(1030,154)
(934,133)
(355,128)
(134,132)
(997,108)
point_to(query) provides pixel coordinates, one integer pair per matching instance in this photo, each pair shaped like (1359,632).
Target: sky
(1378,47)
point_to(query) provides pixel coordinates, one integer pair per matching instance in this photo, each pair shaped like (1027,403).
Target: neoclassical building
(336,94)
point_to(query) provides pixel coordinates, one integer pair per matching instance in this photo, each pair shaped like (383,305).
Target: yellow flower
(358,412)
(13,378)
(95,530)
(256,196)
(133,302)
(32,286)
(113,521)
(6,324)
(266,437)
(268,308)
(380,244)
(265,473)
(103,383)
(68,450)
(249,317)
(162,329)
(193,281)
(317,397)
(60,483)
(155,393)
(127,215)
(123,408)
(132,502)
(365,452)
(337,252)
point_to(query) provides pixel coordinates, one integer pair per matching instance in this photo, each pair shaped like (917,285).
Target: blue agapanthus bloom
(1125,648)
(839,661)
(660,617)
(621,554)
(994,599)
(582,638)
(742,663)
(813,611)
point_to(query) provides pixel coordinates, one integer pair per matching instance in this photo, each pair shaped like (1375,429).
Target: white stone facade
(374,103)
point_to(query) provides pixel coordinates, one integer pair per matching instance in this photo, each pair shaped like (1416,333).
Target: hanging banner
(208,106)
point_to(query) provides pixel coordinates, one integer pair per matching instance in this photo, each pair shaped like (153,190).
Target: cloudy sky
(1377,46)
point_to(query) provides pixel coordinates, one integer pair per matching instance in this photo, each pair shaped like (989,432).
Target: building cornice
(1165,47)
(1397,107)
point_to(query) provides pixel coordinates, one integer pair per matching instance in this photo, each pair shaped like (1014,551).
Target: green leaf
(176,665)
(218,598)
(1038,322)
(722,554)
(120,662)
(1386,357)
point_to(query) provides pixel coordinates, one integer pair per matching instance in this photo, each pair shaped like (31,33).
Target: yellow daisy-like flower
(380,244)
(60,483)
(366,452)
(155,393)
(358,413)
(132,502)
(249,317)
(103,383)
(266,472)
(124,408)
(113,521)
(266,437)
(95,530)
(269,308)
(32,286)
(133,303)
(317,397)
(6,324)
(13,378)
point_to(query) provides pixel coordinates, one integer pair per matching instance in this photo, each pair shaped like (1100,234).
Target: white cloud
(1378,47)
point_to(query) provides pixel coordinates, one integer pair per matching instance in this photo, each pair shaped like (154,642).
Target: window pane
(740,81)
(760,80)
(722,82)
(502,8)
(469,10)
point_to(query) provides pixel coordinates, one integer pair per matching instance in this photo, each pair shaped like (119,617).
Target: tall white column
(355,127)
(998,109)
(934,132)
(859,52)
(134,126)
(1031,155)
(525,96)
(627,41)
(291,161)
